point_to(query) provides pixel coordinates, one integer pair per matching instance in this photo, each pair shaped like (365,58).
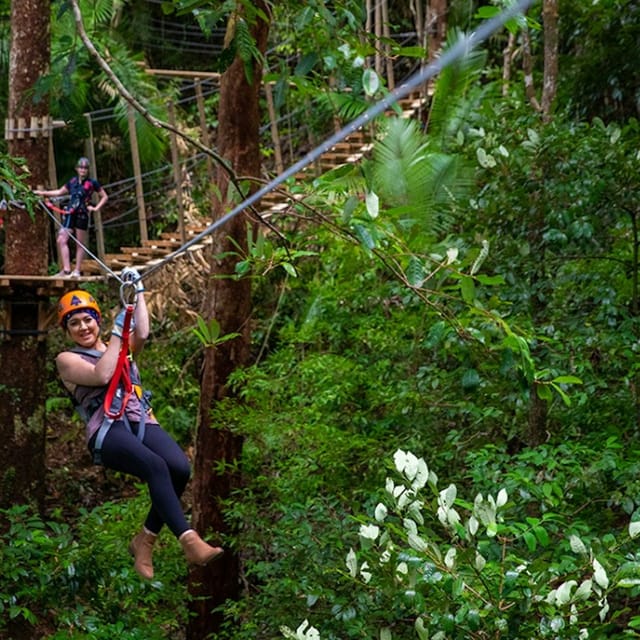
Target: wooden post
(53,184)
(275,136)
(377,26)
(420,17)
(53,176)
(204,131)
(135,158)
(391,82)
(177,174)
(368,21)
(90,152)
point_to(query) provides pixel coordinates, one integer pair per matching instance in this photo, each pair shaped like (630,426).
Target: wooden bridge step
(147,252)
(167,243)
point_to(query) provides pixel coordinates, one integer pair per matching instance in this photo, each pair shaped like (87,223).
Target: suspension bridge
(148,253)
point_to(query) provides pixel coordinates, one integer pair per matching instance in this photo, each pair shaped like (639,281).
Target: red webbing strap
(121,373)
(53,207)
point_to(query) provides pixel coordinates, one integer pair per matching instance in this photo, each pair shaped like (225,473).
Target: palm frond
(451,99)
(83,84)
(401,147)
(419,187)
(96,13)
(346,105)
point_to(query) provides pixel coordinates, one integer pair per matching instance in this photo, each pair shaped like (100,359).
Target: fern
(245,47)
(419,187)
(451,101)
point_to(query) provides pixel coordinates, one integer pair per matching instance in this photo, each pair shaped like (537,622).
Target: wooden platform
(43,285)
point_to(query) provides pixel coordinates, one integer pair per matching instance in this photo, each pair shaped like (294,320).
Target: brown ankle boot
(141,548)
(196,550)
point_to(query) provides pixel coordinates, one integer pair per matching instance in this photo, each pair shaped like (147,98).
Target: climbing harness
(114,406)
(121,386)
(65,214)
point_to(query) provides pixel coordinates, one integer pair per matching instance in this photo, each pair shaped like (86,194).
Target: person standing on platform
(75,219)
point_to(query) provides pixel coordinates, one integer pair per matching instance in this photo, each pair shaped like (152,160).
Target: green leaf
(530,540)
(349,208)
(561,392)
(470,380)
(544,392)
(370,81)
(373,204)
(290,269)
(421,630)
(489,280)
(576,544)
(541,535)
(567,380)
(468,289)
(365,236)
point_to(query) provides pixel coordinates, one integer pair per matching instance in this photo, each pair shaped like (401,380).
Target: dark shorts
(77,220)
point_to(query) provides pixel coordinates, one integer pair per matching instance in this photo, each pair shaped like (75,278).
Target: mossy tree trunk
(218,448)
(22,349)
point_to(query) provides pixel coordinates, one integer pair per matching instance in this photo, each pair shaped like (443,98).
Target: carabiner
(128,293)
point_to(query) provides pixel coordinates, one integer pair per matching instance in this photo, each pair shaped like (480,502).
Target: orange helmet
(77,300)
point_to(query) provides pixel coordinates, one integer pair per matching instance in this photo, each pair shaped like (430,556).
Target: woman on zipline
(122,432)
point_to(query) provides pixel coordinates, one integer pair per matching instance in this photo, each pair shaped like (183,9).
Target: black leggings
(159,462)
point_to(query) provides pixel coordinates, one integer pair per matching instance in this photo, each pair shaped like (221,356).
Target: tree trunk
(218,448)
(538,282)
(436,26)
(550,81)
(538,408)
(22,351)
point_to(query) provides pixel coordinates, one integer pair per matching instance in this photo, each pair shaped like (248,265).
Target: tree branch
(139,107)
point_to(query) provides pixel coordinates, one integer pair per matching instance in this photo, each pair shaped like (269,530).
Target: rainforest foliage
(413,314)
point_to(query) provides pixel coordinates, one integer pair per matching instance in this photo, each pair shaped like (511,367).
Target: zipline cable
(464,45)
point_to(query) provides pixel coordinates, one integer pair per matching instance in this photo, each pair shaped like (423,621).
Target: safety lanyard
(121,375)
(53,207)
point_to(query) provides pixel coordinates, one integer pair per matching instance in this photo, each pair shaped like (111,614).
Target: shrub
(433,565)
(80,582)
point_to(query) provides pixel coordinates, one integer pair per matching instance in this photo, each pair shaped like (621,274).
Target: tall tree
(228,300)
(539,407)
(26,253)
